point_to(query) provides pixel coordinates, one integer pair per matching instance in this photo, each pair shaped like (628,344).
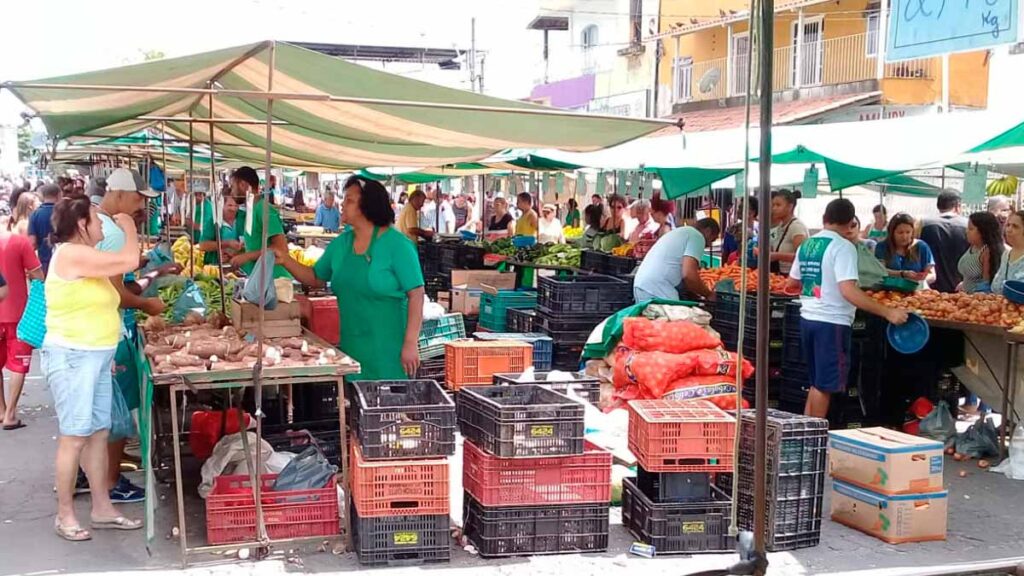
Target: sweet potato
(159,350)
(186,360)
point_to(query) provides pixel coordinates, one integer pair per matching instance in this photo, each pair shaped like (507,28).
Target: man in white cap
(127,193)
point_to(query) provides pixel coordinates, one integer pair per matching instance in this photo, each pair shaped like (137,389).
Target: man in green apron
(245,187)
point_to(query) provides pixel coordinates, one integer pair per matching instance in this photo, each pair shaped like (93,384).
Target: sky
(55,37)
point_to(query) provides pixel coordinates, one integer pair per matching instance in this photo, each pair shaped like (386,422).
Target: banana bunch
(623,250)
(571,233)
(1005,186)
(180,251)
(300,256)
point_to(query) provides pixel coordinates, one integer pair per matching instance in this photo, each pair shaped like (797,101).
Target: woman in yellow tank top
(83,327)
(526,225)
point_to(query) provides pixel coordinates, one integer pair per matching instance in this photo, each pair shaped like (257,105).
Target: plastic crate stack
(434,334)
(726,321)
(860,405)
(434,280)
(568,310)
(404,431)
(572,384)
(475,362)
(543,345)
(532,484)
(605,263)
(672,503)
(494,307)
(797,465)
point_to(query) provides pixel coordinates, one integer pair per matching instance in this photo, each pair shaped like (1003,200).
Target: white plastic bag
(1013,467)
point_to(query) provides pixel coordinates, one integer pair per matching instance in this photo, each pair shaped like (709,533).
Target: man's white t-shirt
(822,262)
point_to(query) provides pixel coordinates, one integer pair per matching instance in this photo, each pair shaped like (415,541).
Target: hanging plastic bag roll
(264,269)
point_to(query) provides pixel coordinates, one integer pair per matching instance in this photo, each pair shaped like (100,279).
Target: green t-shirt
(227,232)
(203,215)
(253,241)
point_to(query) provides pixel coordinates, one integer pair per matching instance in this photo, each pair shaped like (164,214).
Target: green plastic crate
(435,332)
(494,307)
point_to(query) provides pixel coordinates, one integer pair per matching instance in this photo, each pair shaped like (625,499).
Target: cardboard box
(886,461)
(445,300)
(467,286)
(893,519)
(284,321)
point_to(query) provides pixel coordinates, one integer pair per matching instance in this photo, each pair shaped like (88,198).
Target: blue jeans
(82,386)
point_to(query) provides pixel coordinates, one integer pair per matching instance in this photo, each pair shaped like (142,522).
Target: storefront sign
(923,28)
(629,104)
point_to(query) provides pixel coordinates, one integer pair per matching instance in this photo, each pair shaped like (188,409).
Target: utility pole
(480,77)
(472,54)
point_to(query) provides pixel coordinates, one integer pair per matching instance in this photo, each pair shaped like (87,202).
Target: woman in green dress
(230,240)
(374,271)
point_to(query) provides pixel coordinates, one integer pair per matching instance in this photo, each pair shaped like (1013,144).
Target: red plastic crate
(494,481)
(399,487)
(320,315)
(474,363)
(231,511)
(681,436)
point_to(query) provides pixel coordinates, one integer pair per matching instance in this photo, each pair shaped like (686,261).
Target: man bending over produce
(127,193)
(674,262)
(825,272)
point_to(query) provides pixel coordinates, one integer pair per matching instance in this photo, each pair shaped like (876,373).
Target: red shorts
(15,355)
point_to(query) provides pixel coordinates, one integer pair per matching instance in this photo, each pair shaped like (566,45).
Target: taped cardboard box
(892,519)
(467,286)
(886,461)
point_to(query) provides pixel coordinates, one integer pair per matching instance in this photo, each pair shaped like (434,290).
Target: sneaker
(125,492)
(81,483)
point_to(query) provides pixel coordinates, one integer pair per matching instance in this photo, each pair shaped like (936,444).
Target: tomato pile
(988,309)
(712,276)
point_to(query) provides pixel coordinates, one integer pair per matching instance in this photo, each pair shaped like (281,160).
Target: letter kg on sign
(922,28)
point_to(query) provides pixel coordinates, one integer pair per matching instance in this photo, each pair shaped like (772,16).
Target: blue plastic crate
(543,345)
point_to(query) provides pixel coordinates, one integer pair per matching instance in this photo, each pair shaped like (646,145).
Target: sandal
(119,523)
(71,533)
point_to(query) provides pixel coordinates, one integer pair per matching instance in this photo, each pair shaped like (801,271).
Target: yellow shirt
(409,219)
(526,227)
(83,313)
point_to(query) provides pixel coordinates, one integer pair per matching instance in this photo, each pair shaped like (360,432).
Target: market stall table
(240,379)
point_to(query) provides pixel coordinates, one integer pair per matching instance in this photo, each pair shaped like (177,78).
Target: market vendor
(674,263)
(825,272)
(527,223)
(375,273)
(245,187)
(787,232)
(409,219)
(203,213)
(905,256)
(501,222)
(230,239)
(327,214)
(1012,266)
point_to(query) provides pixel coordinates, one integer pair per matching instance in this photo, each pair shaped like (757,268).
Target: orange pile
(988,309)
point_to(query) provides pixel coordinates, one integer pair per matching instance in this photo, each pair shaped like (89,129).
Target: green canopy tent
(684,182)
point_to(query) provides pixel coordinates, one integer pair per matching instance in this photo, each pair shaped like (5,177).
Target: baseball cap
(127,180)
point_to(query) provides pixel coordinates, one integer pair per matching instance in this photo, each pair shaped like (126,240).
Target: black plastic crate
(520,320)
(431,369)
(403,419)
(674,486)
(499,531)
(471,323)
(576,324)
(678,528)
(521,421)
(589,295)
(797,463)
(586,387)
(455,256)
(730,341)
(314,402)
(401,540)
(296,439)
(604,263)
(567,355)
(436,282)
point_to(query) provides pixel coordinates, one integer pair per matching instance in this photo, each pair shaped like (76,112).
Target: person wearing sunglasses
(616,221)
(374,271)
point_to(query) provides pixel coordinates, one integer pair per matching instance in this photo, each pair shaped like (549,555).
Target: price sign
(923,28)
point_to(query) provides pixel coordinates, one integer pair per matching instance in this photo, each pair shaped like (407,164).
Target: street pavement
(986,522)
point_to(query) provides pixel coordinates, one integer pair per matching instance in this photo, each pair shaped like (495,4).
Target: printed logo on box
(410,431)
(542,431)
(407,538)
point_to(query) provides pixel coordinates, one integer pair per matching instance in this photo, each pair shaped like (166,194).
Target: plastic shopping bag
(32,326)
(1013,467)
(307,471)
(981,440)
(264,269)
(191,300)
(122,425)
(938,424)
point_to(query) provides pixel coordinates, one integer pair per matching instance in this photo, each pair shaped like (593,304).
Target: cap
(126,180)
(548,207)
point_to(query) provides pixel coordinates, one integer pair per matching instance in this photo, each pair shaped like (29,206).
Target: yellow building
(833,69)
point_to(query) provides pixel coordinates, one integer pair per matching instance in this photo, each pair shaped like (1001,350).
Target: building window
(683,79)
(636,16)
(873,19)
(588,41)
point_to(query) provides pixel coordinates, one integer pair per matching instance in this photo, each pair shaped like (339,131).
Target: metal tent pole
(191,204)
(217,200)
(766,71)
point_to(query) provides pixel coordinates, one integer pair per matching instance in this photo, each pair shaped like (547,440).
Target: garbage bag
(251,291)
(122,425)
(1013,467)
(938,424)
(190,300)
(981,440)
(307,471)
(229,458)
